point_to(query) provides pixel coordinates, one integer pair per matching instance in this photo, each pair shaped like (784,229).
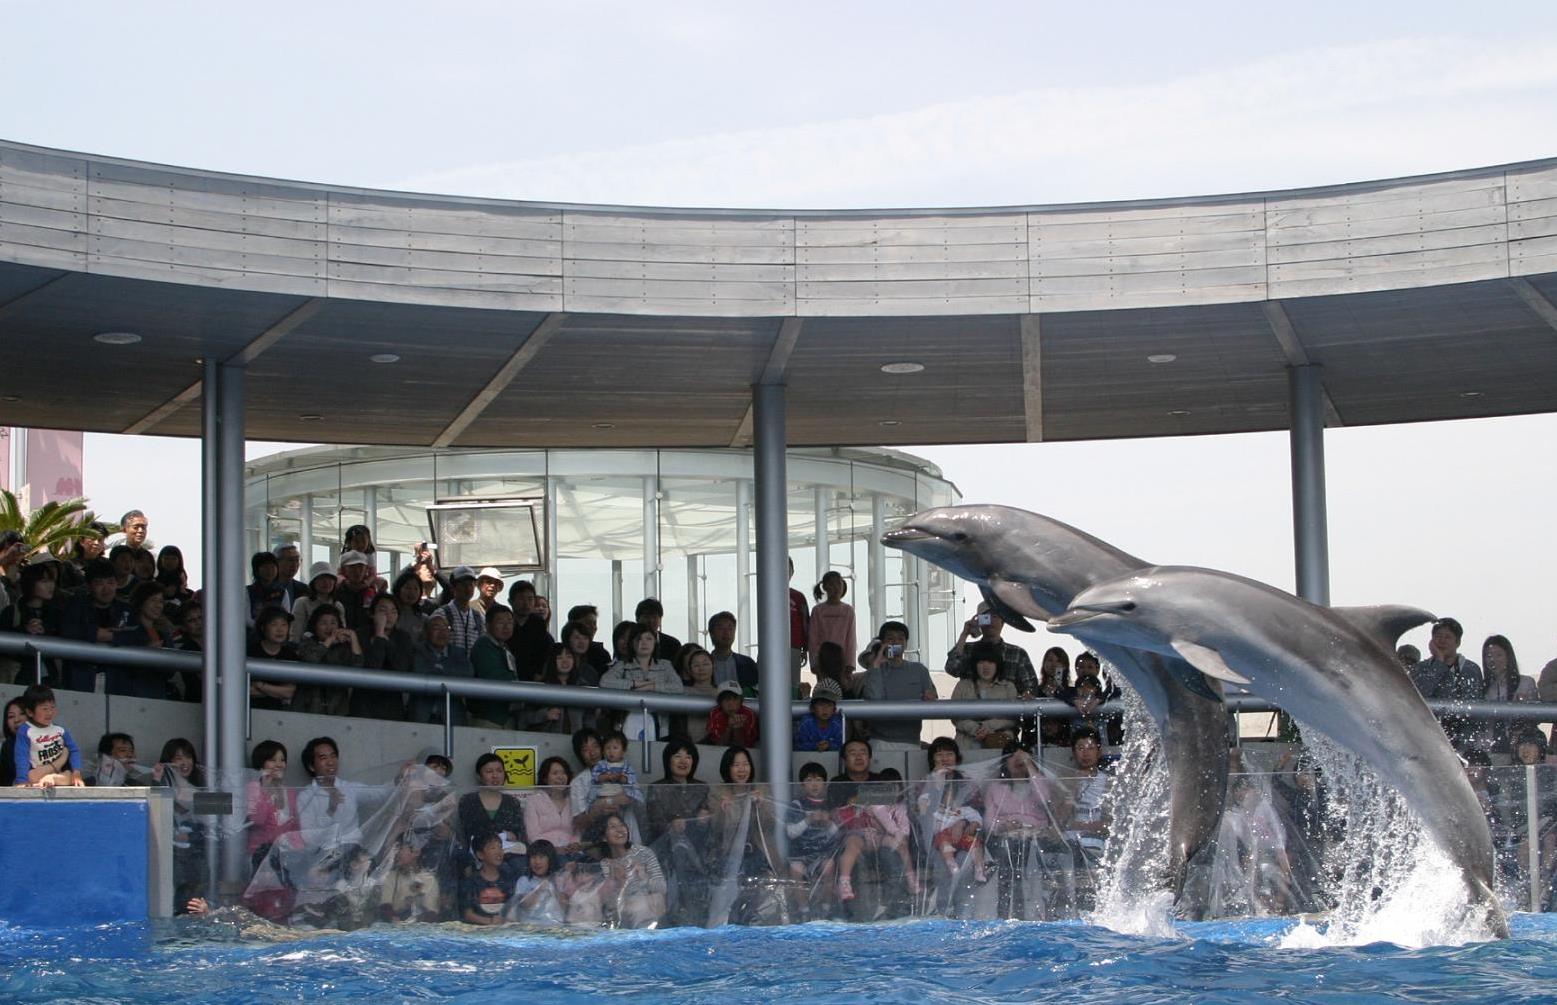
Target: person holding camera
(985,627)
(891,677)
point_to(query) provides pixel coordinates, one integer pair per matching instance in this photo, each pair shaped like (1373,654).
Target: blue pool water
(918,962)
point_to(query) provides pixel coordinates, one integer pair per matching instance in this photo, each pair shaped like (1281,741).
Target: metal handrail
(175,661)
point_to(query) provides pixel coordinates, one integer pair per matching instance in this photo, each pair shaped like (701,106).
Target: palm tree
(54,527)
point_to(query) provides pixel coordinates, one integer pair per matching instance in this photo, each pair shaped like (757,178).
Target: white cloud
(1327,115)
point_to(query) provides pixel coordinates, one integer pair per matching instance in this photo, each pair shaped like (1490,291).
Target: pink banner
(53,465)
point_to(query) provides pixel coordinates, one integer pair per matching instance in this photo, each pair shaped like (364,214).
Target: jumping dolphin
(1330,668)
(1027,564)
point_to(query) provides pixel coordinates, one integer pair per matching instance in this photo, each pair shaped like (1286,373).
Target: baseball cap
(729,687)
(353,558)
(462,572)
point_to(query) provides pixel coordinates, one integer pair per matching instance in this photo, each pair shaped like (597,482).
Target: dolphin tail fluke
(1484,900)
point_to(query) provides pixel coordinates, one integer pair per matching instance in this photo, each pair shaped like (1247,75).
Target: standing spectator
(35,611)
(490,659)
(272,641)
(289,561)
(355,589)
(122,558)
(359,539)
(650,613)
(12,551)
(832,620)
(328,643)
(799,629)
(386,648)
(75,557)
(436,656)
(489,583)
(986,684)
(1015,665)
(411,604)
(1054,730)
(321,593)
(700,682)
(464,620)
(531,642)
(135,527)
(98,615)
(830,665)
(562,669)
(1504,683)
(266,590)
(891,677)
(1088,667)
(578,639)
(1448,675)
(729,664)
(645,672)
(149,629)
(595,654)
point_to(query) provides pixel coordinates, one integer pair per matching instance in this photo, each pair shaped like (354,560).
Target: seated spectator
(485,891)
(644,672)
(562,670)
(435,656)
(489,808)
(589,812)
(266,590)
(891,677)
(15,715)
(952,809)
(540,897)
(321,593)
(678,800)
(175,593)
(1087,696)
(727,663)
(650,613)
(862,832)
(741,821)
(813,833)
(330,643)
(272,807)
(634,886)
(411,891)
(116,762)
(327,808)
(491,659)
(731,723)
(612,776)
(97,615)
(1089,820)
(44,752)
(1018,819)
(985,684)
(386,648)
(144,565)
(1504,682)
(178,768)
(821,729)
(548,810)
(271,641)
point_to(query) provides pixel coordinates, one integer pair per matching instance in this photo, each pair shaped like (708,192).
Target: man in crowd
(466,624)
(650,613)
(729,664)
(354,591)
(97,615)
(1449,676)
(489,583)
(122,558)
(531,641)
(135,525)
(588,617)
(266,589)
(437,656)
(1015,665)
(289,561)
(891,677)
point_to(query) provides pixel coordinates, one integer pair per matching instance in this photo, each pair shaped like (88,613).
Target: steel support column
(743,566)
(878,559)
(210,566)
(1310,537)
(768,439)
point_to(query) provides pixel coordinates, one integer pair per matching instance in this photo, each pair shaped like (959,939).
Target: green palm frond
(54,527)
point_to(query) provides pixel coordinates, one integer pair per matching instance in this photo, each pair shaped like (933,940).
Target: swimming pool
(917,961)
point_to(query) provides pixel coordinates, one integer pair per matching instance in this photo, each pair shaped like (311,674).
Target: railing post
(1533,836)
(650,731)
(448,723)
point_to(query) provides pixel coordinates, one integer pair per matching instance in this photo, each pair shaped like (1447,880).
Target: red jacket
(723,732)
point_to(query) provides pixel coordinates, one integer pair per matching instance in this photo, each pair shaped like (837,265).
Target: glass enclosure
(620,525)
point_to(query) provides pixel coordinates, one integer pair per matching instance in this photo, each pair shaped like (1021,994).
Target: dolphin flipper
(1003,609)
(1384,623)
(1208,661)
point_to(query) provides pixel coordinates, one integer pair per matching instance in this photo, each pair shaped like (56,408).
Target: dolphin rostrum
(1027,564)
(1331,668)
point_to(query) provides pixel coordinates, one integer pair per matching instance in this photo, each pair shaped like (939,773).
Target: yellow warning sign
(518,766)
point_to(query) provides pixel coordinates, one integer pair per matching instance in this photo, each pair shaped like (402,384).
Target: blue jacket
(809,733)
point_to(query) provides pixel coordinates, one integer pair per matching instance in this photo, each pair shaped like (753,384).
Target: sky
(813,105)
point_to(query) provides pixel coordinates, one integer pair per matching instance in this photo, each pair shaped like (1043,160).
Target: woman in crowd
(35,612)
(678,831)
(621,650)
(1018,818)
(832,620)
(1052,683)
(321,593)
(329,642)
(577,638)
(700,682)
(1504,683)
(171,559)
(548,813)
(985,684)
(491,659)
(562,670)
(386,648)
(642,674)
(150,627)
(831,664)
(15,715)
(413,608)
(633,891)
(174,579)
(736,801)
(489,808)
(178,768)
(359,538)
(273,825)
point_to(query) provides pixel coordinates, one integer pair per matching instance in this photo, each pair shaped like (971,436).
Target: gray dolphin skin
(1030,565)
(1329,668)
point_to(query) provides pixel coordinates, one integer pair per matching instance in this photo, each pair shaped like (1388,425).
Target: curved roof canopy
(521,324)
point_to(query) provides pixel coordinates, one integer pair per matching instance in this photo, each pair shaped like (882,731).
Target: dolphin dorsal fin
(1003,609)
(1384,623)
(1208,661)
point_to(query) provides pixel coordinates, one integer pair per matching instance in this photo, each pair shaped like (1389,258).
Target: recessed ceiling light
(1179,411)
(905,366)
(384,357)
(10,399)
(603,425)
(116,338)
(1161,357)
(1470,394)
(309,417)
(889,423)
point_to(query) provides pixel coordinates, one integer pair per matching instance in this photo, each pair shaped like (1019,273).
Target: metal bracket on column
(772,373)
(1292,348)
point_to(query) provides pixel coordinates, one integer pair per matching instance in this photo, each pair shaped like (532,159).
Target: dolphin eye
(959,535)
(1128,606)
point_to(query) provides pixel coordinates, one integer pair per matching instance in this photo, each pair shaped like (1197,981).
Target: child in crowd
(411,891)
(954,819)
(612,775)
(485,892)
(537,898)
(731,723)
(813,833)
(822,728)
(892,818)
(46,753)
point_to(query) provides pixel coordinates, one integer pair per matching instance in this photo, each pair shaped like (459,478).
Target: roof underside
(524,325)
